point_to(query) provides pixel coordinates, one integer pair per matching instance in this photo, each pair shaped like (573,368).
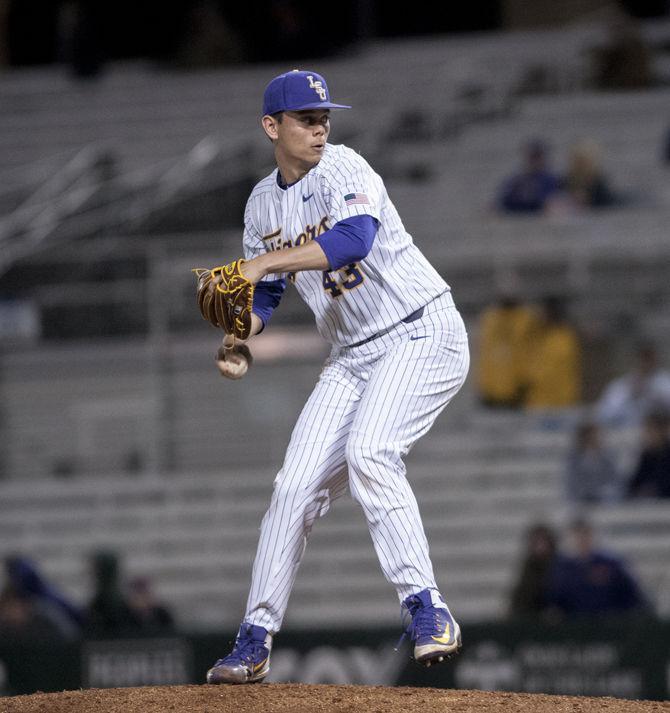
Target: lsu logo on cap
(317,87)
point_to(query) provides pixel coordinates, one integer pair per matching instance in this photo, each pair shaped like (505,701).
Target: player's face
(301,137)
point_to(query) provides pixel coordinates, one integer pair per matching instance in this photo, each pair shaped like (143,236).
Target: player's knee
(366,455)
(287,490)
(298,495)
(357,452)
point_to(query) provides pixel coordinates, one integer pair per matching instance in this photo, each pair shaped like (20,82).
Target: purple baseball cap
(297,90)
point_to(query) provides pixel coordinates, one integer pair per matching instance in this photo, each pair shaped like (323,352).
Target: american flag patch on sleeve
(356,199)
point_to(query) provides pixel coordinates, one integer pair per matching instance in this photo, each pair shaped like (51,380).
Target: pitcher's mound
(302,698)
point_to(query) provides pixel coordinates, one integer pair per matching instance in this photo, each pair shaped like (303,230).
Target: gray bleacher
(127,443)
(480,481)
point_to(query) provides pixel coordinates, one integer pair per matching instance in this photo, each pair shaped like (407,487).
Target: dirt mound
(301,698)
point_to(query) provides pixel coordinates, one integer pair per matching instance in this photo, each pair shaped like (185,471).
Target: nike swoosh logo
(444,639)
(425,336)
(306,198)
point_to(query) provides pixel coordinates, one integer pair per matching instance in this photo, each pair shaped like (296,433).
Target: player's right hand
(233,358)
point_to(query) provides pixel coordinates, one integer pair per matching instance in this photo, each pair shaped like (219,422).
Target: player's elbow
(354,251)
(360,248)
(349,240)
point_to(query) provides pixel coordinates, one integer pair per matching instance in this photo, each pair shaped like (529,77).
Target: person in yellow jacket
(505,330)
(554,360)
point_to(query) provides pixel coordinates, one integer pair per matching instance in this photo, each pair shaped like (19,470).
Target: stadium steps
(180,532)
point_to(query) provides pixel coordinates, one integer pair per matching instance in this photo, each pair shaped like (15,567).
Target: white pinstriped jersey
(357,301)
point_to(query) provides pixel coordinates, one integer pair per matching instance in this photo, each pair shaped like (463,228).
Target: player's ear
(270,124)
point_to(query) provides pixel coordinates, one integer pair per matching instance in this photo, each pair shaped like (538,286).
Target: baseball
(234,366)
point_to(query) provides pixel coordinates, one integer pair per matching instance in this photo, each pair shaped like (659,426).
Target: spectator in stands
(530,190)
(81,29)
(591,470)
(209,39)
(109,612)
(504,334)
(585,183)
(42,598)
(627,399)
(21,621)
(624,61)
(529,594)
(150,614)
(652,474)
(554,360)
(591,581)
(4,32)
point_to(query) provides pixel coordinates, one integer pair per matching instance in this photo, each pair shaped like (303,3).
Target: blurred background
(527,149)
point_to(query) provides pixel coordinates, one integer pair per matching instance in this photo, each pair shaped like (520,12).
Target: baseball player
(323,221)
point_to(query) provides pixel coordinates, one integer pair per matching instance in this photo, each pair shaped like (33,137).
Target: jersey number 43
(350,277)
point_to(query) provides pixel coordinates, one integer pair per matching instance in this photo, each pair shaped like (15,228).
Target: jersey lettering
(274,242)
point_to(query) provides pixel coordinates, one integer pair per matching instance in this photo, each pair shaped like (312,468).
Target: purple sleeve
(266,297)
(349,240)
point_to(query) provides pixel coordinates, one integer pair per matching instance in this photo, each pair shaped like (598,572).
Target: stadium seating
(479,480)
(126,443)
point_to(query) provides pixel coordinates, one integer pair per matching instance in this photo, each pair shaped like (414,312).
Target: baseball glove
(225,298)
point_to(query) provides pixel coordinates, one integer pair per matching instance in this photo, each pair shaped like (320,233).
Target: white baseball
(234,366)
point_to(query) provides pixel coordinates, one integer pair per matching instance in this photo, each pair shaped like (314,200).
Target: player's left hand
(233,358)
(225,298)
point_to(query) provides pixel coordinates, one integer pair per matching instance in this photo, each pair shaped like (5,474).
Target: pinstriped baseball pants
(371,404)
